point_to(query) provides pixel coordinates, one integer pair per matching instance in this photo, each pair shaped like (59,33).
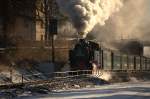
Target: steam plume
(131,22)
(85,14)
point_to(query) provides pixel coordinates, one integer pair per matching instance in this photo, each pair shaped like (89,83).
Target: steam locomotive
(83,54)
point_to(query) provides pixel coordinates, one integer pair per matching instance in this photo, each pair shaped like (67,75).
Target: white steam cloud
(131,22)
(85,14)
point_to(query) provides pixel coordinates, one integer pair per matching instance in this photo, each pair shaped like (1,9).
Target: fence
(41,77)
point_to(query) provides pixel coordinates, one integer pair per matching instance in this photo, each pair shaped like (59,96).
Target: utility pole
(46,18)
(53,48)
(50,26)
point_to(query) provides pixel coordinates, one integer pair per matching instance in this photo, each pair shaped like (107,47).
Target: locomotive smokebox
(83,54)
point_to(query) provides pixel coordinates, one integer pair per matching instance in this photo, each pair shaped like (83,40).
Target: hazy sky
(131,22)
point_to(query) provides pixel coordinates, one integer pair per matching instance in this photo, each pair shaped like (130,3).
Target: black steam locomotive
(86,53)
(83,54)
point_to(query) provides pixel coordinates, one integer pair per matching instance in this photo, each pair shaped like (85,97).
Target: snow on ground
(31,73)
(130,90)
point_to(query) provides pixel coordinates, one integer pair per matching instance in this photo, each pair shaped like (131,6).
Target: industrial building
(25,24)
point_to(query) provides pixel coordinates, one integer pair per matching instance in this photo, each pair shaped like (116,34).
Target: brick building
(22,20)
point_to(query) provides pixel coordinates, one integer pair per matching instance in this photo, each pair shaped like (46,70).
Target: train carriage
(107,60)
(138,62)
(143,63)
(148,64)
(116,61)
(124,62)
(130,62)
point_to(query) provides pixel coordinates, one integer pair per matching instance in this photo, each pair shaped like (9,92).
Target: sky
(131,22)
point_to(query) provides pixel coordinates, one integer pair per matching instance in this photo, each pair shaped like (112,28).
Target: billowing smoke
(66,29)
(85,14)
(133,19)
(131,22)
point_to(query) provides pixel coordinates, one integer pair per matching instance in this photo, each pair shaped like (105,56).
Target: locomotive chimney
(81,35)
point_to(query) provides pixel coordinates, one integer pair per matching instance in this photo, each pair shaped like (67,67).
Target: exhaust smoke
(131,22)
(85,14)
